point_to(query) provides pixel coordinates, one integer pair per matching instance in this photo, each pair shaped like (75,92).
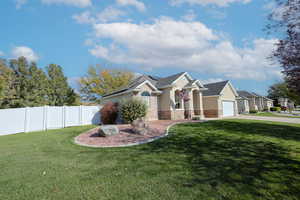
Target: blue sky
(211,39)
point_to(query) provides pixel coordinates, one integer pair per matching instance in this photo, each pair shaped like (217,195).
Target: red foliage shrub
(283,108)
(109,113)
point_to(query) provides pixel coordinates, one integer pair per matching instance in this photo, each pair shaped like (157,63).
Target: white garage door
(228,108)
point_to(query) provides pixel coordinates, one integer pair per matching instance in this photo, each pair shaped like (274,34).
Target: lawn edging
(136,143)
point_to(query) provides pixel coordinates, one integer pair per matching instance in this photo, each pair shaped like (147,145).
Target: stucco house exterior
(243,105)
(268,103)
(164,96)
(220,100)
(251,100)
(255,102)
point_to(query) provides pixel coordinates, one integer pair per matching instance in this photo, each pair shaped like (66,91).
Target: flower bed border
(135,143)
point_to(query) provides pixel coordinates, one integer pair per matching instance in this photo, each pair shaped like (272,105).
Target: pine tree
(60,93)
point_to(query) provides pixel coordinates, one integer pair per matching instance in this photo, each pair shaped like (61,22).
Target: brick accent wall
(164,115)
(211,113)
(197,112)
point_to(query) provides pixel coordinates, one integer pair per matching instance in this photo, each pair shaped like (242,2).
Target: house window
(178,103)
(146,97)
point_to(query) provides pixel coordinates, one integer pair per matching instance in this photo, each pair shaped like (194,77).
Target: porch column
(188,108)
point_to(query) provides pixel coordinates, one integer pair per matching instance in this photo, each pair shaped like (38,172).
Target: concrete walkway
(273,119)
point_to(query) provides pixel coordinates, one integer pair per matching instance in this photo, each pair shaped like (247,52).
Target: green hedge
(275,109)
(133,109)
(253,111)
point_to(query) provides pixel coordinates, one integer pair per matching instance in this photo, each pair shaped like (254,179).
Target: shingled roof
(214,88)
(243,93)
(156,81)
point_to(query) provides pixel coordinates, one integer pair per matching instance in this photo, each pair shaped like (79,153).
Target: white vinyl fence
(18,120)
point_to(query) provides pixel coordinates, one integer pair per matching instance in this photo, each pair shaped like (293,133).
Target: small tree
(133,109)
(109,113)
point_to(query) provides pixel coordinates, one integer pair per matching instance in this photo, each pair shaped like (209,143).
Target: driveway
(273,119)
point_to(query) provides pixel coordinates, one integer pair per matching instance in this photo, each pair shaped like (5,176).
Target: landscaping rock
(108,130)
(139,127)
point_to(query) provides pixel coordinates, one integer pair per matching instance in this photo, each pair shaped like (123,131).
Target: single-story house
(219,100)
(268,103)
(251,100)
(168,98)
(243,105)
(255,102)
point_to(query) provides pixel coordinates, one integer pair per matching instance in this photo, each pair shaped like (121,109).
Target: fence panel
(18,120)
(72,116)
(35,119)
(90,115)
(12,120)
(55,117)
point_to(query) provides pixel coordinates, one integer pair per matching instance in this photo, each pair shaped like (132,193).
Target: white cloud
(221,3)
(20,3)
(26,52)
(211,80)
(185,45)
(139,5)
(78,3)
(1,53)
(189,16)
(84,18)
(107,15)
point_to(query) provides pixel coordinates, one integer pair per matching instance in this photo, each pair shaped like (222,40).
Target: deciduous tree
(99,82)
(285,18)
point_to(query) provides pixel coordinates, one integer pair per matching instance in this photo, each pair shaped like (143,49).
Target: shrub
(109,113)
(133,109)
(283,108)
(253,111)
(275,109)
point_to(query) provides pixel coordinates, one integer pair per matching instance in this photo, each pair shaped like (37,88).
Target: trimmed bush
(109,113)
(253,111)
(275,109)
(283,108)
(133,109)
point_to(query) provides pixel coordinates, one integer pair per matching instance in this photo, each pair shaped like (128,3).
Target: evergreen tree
(60,93)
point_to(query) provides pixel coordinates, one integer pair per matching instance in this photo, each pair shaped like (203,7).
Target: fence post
(64,116)
(26,121)
(45,117)
(80,114)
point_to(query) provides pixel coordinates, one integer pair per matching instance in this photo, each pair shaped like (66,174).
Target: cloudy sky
(212,39)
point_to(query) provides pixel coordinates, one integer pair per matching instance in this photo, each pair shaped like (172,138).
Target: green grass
(226,159)
(268,114)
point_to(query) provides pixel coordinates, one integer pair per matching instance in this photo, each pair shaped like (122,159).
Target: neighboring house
(243,105)
(260,101)
(220,100)
(283,101)
(164,96)
(268,103)
(251,100)
(255,102)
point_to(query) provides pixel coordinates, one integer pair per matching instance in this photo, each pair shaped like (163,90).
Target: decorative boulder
(108,130)
(139,127)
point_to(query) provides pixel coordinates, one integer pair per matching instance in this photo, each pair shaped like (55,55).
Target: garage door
(228,108)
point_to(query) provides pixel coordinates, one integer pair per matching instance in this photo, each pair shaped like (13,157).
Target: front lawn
(269,114)
(226,159)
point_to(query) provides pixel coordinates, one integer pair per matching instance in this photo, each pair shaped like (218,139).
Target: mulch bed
(126,137)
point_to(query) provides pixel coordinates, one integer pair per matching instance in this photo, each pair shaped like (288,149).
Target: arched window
(146,97)
(178,103)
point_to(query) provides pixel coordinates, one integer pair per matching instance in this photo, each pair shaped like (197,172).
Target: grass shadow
(259,169)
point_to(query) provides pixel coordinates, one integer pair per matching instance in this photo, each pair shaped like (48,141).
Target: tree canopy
(285,19)
(279,90)
(99,81)
(25,84)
